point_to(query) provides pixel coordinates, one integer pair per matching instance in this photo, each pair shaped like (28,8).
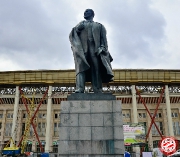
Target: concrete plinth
(91,129)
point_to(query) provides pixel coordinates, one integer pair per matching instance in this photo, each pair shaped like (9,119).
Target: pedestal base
(91,129)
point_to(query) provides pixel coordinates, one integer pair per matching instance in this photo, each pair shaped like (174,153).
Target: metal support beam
(31,121)
(148,112)
(48,120)
(152,121)
(15,114)
(168,107)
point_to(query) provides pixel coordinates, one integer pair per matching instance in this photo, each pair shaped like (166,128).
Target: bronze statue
(91,55)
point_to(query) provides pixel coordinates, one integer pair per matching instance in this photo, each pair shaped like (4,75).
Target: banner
(134,134)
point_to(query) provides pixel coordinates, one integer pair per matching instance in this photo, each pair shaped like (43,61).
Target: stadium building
(145,94)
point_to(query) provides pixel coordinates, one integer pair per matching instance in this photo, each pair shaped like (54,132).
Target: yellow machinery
(11,151)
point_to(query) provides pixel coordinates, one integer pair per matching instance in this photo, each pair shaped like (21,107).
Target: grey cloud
(34,34)
(32,37)
(133,26)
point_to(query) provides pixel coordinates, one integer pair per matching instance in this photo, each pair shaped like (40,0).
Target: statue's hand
(100,50)
(80,27)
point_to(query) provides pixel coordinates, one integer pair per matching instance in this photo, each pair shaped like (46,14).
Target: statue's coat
(78,45)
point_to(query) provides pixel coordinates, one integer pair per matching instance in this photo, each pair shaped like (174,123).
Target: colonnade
(49,113)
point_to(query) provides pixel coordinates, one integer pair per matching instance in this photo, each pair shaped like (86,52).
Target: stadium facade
(141,91)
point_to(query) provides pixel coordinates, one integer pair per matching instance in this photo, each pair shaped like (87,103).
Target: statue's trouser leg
(80,82)
(96,75)
(95,69)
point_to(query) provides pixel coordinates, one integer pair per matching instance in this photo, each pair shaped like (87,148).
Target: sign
(168,145)
(134,134)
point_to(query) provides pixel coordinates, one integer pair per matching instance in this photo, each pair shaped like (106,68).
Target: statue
(91,55)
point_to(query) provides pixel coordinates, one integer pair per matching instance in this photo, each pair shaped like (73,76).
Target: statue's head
(88,14)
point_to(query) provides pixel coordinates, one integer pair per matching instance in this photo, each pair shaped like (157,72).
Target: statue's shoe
(79,91)
(98,91)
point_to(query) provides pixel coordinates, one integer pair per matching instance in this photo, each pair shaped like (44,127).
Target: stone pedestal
(91,128)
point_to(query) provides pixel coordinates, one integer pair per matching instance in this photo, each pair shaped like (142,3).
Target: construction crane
(28,123)
(19,150)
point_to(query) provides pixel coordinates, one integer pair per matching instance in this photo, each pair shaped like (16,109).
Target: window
(55,147)
(9,115)
(56,129)
(38,149)
(42,115)
(8,129)
(174,114)
(23,128)
(142,115)
(55,115)
(159,115)
(154,130)
(155,144)
(0,126)
(41,129)
(145,125)
(31,131)
(1,115)
(176,128)
(24,115)
(127,115)
(29,146)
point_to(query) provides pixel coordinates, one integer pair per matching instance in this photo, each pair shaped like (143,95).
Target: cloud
(31,37)
(35,34)
(7,64)
(135,29)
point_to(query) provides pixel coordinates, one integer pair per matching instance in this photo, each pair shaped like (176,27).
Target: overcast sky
(34,34)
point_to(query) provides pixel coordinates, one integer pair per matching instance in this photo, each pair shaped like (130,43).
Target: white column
(165,122)
(48,122)
(15,113)
(150,140)
(134,105)
(168,108)
(134,116)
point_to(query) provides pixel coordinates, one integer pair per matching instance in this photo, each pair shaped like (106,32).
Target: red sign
(168,145)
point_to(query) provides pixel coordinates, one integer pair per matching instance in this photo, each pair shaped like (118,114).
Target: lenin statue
(91,55)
